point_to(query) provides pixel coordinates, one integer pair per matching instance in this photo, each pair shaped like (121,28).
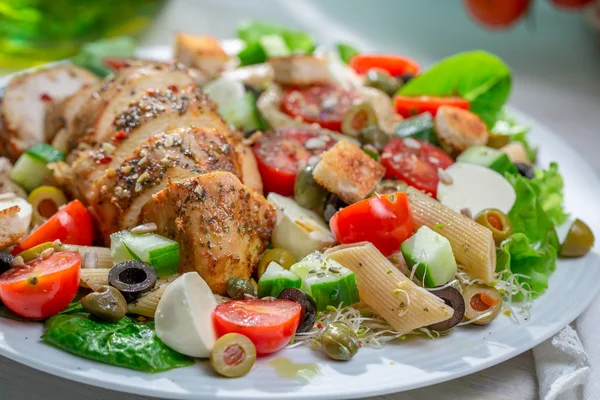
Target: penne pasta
(104,258)
(403,304)
(146,305)
(93,278)
(472,244)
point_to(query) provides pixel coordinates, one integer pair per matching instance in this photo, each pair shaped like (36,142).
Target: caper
(373,136)
(497,140)
(497,222)
(106,303)
(481,300)
(307,192)
(357,118)
(388,186)
(233,355)
(579,241)
(380,79)
(339,341)
(281,256)
(238,288)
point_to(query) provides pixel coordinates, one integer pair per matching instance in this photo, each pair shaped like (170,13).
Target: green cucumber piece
(274,46)
(432,255)
(494,159)
(243,114)
(418,127)
(30,172)
(275,279)
(46,153)
(160,252)
(327,281)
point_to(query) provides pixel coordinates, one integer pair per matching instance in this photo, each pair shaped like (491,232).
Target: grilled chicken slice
(300,70)
(171,156)
(222,226)
(152,114)
(27,98)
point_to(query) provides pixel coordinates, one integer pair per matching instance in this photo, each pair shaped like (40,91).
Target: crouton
(348,172)
(516,152)
(459,129)
(202,52)
(300,70)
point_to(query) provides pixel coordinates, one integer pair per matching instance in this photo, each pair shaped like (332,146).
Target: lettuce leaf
(346,52)
(549,186)
(477,76)
(297,42)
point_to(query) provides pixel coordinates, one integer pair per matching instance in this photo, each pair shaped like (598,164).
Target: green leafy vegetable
(534,263)
(91,55)
(477,76)
(507,125)
(124,343)
(346,52)
(549,185)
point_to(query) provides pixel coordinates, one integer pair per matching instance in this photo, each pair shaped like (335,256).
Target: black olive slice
(6,260)
(525,170)
(132,278)
(454,299)
(308,315)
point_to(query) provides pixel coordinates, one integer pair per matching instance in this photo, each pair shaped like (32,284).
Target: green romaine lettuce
(477,76)
(346,52)
(549,185)
(124,343)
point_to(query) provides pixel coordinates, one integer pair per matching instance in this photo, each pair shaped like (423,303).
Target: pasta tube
(403,304)
(103,259)
(93,278)
(147,303)
(472,244)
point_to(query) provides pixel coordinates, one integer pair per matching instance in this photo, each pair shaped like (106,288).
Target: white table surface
(556,68)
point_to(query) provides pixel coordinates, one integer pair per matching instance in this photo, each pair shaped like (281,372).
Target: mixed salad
(400,201)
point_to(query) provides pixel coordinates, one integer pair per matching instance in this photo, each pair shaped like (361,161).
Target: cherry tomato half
(269,324)
(43,287)
(415,162)
(324,105)
(72,224)
(279,154)
(498,14)
(385,220)
(394,64)
(411,106)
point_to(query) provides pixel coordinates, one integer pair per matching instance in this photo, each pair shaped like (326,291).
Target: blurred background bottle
(37,31)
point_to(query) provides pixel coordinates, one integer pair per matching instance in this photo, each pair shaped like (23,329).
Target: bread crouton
(348,172)
(516,152)
(459,129)
(201,52)
(300,70)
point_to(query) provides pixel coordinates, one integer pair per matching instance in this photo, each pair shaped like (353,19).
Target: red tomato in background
(415,162)
(72,224)
(385,220)
(324,105)
(269,324)
(411,106)
(43,287)
(497,14)
(571,4)
(395,65)
(279,154)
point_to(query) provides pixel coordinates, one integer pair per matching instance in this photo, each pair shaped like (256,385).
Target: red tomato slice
(269,324)
(572,4)
(416,163)
(279,154)
(43,287)
(394,64)
(385,220)
(324,105)
(72,224)
(497,13)
(411,106)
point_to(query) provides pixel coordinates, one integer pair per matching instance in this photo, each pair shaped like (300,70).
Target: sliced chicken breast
(222,226)
(27,98)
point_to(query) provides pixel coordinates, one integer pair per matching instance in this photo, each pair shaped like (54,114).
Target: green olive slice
(380,79)
(36,251)
(481,300)
(339,341)
(497,140)
(238,288)
(233,355)
(373,136)
(308,193)
(497,222)
(579,241)
(45,202)
(358,118)
(106,303)
(281,256)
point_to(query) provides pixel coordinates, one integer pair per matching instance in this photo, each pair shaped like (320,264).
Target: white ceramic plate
(398,367)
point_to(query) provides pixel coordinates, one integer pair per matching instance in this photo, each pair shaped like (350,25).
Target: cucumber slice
(156,250)
(30,172)
(432,255)
(274,46)
(243,114)
(494,159)
(418,127)
(46,153)
(275,279)
(327,281)
(225,91)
